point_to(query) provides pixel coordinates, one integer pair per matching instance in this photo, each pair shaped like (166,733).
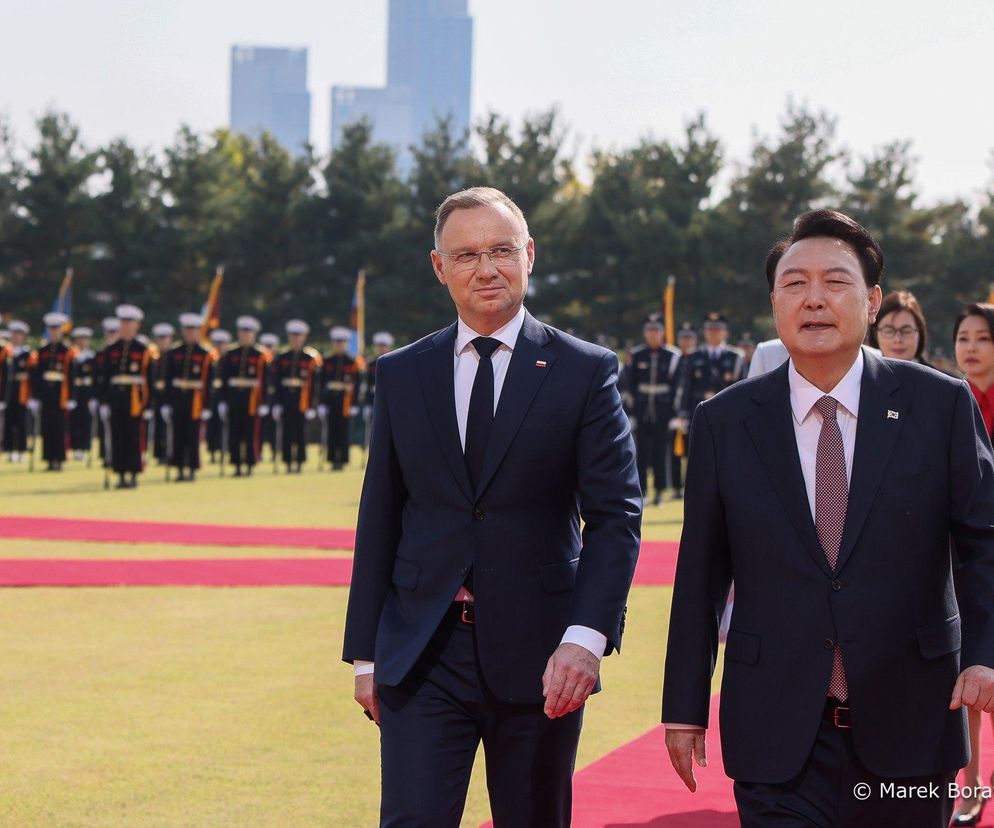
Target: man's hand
(365,694)
(975,689)
(683,746)
(569,677)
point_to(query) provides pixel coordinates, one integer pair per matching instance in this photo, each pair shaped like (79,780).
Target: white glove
(679,424)
(262,411)
(3,405)
(93,405)
(353,411)
(310,414)
(105,412)
(70,405)
(277,412)
(322,411)
(167,412)
(148,414)
(222,410)
(205,415)
(34,406)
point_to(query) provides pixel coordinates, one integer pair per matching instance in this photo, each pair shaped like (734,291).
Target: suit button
(479,514)
(836,586)
(829,644)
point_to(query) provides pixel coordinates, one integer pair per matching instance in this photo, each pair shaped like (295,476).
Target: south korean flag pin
(892,415)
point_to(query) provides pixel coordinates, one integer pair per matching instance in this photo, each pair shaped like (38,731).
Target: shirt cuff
(363,668)
(677,726)
(587,638)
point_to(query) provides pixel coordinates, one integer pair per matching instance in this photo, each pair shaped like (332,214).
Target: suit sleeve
(377,533)
(610,505)
(971,513)
(703,578)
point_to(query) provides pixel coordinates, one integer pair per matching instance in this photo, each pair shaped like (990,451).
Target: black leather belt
(837,714)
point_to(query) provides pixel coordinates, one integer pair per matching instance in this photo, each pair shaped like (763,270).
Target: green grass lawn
(220,707)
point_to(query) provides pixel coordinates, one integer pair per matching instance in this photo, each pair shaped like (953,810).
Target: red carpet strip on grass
(635,786)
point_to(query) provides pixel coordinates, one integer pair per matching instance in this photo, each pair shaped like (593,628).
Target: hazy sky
(618,70)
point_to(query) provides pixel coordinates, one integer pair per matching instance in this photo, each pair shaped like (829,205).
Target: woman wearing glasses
(974,340)
(900,331)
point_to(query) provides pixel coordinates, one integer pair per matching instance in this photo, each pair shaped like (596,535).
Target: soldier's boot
(121,483)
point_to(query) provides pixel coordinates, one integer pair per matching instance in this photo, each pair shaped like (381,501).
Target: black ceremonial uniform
(189,378)
(295,374)
(243,372)
(52,385)
(157,401)
(123,369)
(20,364)
(651,384)
(339,381)
(81,417)
(705,373)
(213,428)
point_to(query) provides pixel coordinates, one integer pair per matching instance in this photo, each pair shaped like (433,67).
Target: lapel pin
(892,415)
(540,363)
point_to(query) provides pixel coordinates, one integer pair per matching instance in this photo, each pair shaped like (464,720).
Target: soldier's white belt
(188,384)
(293,382)
(127,379)
(83,381)
(53,376)
(648,388)
(242,382)
(338,386)
(20,376)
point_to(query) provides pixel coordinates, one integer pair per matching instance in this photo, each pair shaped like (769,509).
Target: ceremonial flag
(211,311)
(990,294)
(357,318)
(669,314)
(63,302)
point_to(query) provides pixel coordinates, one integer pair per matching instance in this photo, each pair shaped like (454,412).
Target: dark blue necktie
(481,409)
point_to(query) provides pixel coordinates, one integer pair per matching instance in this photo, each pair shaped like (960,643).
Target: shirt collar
(507,335)
(804,395)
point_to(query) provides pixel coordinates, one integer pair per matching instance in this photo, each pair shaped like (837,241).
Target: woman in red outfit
(974,339)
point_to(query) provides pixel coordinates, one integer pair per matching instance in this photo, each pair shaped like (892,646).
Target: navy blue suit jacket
(560,450)
(923,473)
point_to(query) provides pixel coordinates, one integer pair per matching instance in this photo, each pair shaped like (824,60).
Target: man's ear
(436,265)
(874,298)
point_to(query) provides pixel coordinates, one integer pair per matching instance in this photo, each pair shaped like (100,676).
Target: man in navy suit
(474,614)
(830,489)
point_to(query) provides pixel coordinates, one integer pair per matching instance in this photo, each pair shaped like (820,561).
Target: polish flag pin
(540,363)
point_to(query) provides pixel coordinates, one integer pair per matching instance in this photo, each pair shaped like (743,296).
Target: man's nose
(815,297)
(487,269)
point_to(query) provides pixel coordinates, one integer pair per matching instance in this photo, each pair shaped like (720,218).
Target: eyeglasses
(890,332)
(500,256)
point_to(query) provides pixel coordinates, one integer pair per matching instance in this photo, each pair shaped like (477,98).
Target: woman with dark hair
(900,331)
(974,339)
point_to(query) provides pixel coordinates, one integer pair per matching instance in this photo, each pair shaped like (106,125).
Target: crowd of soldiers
(661,385)
(168,395)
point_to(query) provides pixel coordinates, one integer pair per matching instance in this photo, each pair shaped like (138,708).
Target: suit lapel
(883,406)
(771,428)
(437,375)
(523,379)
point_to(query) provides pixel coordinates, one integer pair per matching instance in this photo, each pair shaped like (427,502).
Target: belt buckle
(841,721)
(468,613)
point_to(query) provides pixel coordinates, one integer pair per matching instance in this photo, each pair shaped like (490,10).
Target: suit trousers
(835,790)
(432,725)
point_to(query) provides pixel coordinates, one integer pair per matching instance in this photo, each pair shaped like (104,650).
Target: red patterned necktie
(831,494)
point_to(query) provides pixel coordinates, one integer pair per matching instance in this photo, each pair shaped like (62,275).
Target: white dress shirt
(807,422)
(466,363)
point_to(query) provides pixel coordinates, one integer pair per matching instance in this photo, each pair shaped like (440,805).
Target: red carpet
(177,572)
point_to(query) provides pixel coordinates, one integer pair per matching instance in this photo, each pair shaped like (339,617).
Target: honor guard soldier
(710,369)
(189,377)
(83,416)
(243,369)
(295,374)
(383,343)
(220,339)
(748,347)
(53,388)
(20,363)
(4,373)
(111,329)
(271,342)
(123,388)
(651,379)
(338,398)
(163,334)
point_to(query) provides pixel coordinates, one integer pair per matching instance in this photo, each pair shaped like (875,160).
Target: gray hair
(475,197)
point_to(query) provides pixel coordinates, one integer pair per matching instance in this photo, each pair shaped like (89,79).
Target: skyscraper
(269,94)
(429,76)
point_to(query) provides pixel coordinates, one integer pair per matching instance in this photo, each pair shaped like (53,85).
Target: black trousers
(53,431)
(651,442)
(676,463)
(80,426)
(15,427)
(186,438)
(432,725)
(294,436)
(243,435)
(829,791)
(338,435)
(127,435)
